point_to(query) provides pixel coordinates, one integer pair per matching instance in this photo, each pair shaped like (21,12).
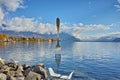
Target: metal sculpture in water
(58,27)
(58,30)
(58,47)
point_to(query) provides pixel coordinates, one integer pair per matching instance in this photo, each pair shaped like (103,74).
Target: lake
(88,60)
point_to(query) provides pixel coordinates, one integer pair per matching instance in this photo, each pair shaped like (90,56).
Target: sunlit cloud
(20,24)
(30,24)
(46,28)
(9,5)
(78,30)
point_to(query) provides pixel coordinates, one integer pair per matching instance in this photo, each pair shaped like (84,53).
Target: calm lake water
(88,60)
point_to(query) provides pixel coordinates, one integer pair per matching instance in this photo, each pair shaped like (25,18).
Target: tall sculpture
(58,27)
(58,30)
(58,47)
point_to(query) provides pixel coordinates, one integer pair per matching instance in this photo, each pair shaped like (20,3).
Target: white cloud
(118,1)
(118,5)
(21,24)
(11,5)
(29,24)
(46,28)
(78,30)
(1,16)
(115,34)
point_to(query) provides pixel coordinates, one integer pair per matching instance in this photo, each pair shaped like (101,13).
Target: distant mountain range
(63,36)
(107,38)
(117,40)
(110,38)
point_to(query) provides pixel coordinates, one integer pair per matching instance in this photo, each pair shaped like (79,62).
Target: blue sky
(71,11)
(80,18)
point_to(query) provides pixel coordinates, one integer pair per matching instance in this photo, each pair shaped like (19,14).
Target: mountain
(105,39)
(109,38)
(117,40)
(63,36)
(68,37)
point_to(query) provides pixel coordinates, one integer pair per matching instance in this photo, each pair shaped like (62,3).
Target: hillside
(63,36)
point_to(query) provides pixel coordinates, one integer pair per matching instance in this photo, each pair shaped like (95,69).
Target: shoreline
(14,71)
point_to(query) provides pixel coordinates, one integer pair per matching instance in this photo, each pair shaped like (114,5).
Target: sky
(84,19)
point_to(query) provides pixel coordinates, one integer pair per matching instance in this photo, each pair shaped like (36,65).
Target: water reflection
(4,45)
(58,55)
(26,52)
(58,60)
(58,47)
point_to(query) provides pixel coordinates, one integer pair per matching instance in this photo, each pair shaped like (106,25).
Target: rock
(1,62)
(12,65)
(42,65)
(4,68)
(19,69)
(3,76)
(20,78)
(18,75)
(25,66)
(39,69)
(11,73)
(26,71)
(15,71)
(33,76)
(16,78)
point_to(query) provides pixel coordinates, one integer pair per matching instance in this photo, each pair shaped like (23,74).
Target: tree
(4,37)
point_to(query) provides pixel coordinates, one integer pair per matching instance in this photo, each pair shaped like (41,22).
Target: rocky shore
(14,71)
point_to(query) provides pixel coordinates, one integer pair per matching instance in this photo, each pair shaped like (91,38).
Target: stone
(20,78)
(42,65)
(39,69)
(16,78)
(18,75)
(26,66)
(15,71)
(25,72)
(11,73)
(4,68)
(3,76)
(12,66)
(33,76)
(19,69)
(2,62)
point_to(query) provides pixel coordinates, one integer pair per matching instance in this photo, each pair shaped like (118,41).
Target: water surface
(88,60)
